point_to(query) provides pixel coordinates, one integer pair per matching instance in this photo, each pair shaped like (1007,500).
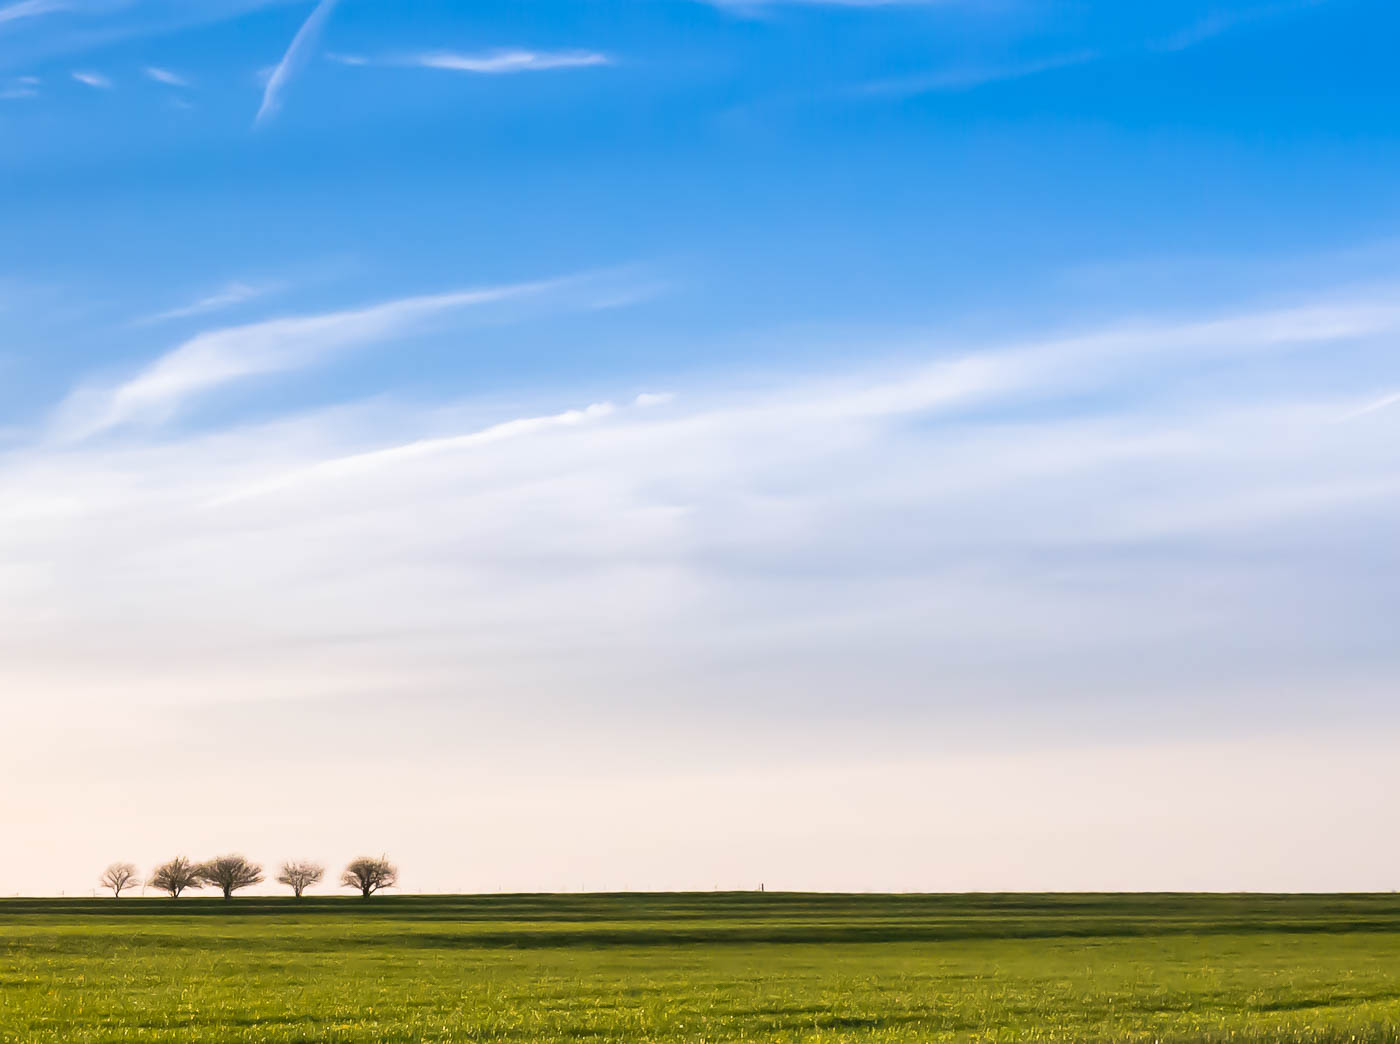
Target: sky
(857,445)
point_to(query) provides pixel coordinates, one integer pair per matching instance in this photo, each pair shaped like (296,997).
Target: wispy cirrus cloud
(31,9)
(295,57)
(511,61)
(756,9)
(359,465)
(220,357)
(92,79)
(1385,402)
(758,5)
(90,25)
(969,77)
(165,76)
(234,293)
(223,356)
(498,62)
(1222,21)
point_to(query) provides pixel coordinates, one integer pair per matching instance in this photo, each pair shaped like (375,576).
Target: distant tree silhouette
(300,876)
(370,875)
(119,877)
(229,873)
(176,876)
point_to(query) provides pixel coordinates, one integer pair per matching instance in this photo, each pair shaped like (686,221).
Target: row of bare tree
(231,872)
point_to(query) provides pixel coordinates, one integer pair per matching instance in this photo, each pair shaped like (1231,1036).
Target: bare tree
(176,876)
(230,873)
(301,875)
(119,877)
(370,875)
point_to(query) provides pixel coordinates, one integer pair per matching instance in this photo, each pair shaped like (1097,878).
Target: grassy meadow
(702,967)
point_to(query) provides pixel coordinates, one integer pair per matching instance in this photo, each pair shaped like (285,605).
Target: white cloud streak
(361,464)
(165,76)
(1217,22)
(295,57)
(31,9)
(1385,402)
(93,79)
(966,78)
(744,6)
(490,63)
(510,61)
(234,293)
(219,357)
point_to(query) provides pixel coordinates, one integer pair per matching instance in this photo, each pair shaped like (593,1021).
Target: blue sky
(619,421)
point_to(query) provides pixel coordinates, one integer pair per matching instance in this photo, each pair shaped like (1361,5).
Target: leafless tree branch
(176,876)
(229,873)
(370,875)
(300,875)
(119,877)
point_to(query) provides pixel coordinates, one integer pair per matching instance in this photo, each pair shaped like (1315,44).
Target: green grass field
(722,967)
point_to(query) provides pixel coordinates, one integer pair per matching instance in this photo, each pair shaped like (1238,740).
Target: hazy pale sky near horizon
(681,444)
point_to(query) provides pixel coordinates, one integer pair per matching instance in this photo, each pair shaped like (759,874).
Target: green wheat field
(702,967)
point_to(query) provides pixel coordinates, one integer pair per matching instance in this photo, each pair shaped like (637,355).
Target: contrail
(294,59)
